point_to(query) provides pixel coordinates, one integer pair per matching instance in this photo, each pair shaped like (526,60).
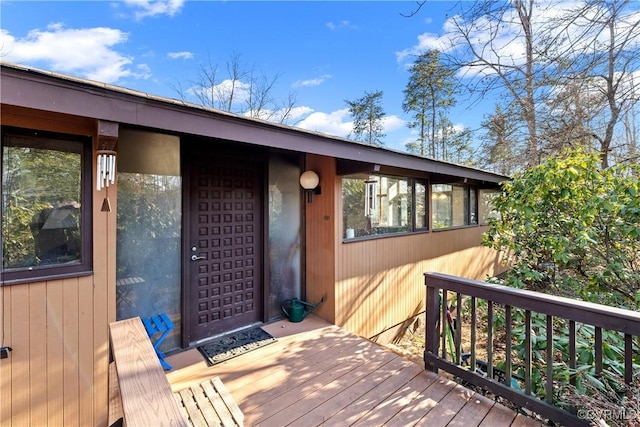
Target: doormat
(233,345)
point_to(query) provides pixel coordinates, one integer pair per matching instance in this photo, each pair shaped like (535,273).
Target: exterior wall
(380,284)
(57,371)
(374,285)
(320,238)
(58,330)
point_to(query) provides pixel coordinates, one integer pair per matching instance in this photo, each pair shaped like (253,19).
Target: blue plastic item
(158,324)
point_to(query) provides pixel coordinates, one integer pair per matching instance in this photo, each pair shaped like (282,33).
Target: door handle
(195,257)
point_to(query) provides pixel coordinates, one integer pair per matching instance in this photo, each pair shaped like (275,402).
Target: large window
(149,235)
(46,205)
(377,205)
(285,229)
(454,205)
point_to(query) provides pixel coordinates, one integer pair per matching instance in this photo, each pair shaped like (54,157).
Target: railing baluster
(473,334)
(490,339)
(527,352)
(572,350)
(556,309)
(628,359)
(458,326)
(549,360)
(445,323)
(598,350)
(507,321)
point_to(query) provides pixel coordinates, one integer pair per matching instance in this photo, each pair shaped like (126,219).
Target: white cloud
(311,82)
(336,123)
(146,8)
(339,123)
(91,57)
(180,55)
(298,113)
(218,95)
(277,116)
(426,41)
(341,24)
(392,123)
(504,43)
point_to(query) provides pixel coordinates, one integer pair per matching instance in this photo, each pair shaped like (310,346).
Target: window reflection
(376,205)
(41,202)
(284,232)
(149,230)
(454,205)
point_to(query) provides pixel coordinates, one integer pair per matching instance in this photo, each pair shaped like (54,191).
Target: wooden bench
(140,394)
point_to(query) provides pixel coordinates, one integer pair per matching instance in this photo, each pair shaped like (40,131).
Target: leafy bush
(569,228)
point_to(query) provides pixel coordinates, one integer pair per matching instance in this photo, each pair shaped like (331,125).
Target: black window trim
(13,276)
(411,181)
(468,188)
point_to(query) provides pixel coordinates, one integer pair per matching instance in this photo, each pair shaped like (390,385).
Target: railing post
(432,330)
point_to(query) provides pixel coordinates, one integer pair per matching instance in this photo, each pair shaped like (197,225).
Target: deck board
(421,403)
(319,374)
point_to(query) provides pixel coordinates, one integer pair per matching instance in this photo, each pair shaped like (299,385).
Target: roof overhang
(43,90)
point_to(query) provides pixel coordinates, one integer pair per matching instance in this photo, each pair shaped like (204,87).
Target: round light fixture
(309,180)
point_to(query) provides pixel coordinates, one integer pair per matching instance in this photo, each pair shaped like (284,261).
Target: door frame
(189,147)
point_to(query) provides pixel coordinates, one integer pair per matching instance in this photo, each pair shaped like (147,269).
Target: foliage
(149,215)
(579,381)
(367,115)
(427,96)
(500,147)
(570,228)
(580,387)
(34,180)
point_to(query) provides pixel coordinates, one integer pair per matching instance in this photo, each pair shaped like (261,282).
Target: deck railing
(514,381)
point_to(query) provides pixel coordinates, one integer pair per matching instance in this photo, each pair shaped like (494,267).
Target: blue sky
(323,52)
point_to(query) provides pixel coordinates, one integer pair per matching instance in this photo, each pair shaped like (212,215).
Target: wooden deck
(318,374)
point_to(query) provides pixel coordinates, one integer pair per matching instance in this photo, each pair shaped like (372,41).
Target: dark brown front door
(225,250)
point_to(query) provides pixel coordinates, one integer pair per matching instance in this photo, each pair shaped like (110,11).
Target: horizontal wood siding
(58,330)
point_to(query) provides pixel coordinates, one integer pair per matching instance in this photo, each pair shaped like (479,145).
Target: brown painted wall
(57,372)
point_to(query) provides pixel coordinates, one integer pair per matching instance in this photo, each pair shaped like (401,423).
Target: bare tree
(498,48)
(607,55)
(240,89)
(632,144)
(564,70)
(567,117)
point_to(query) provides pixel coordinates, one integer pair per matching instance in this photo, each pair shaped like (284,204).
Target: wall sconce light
(309,181)
(106,169)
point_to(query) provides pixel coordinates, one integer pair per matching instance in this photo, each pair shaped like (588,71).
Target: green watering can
(296,310)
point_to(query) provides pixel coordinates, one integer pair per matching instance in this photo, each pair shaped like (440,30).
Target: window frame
(17,275)
(427,205)
(411,183)
(470,206)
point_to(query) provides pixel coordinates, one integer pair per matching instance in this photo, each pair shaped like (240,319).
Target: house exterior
(117,203)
